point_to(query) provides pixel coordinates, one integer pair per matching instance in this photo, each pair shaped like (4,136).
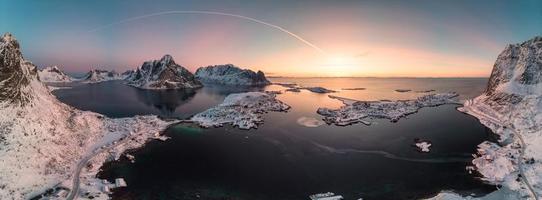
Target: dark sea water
(285,160)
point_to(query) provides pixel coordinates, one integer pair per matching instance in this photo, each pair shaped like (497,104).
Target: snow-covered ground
(326,196)
(358,111)
(244,110)
(501,194)
(423,146)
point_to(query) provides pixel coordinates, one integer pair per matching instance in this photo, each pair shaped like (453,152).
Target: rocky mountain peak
(8,39)
(9,50)
(167,59)
(16,74)
(162,74)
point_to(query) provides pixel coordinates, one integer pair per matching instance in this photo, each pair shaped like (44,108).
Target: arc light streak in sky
(320,50)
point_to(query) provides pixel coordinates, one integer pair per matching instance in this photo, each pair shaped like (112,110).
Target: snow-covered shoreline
(511,107)
(125,134)
(243,110)
(355,111)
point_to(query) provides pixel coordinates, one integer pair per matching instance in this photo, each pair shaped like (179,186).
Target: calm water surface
(285,160)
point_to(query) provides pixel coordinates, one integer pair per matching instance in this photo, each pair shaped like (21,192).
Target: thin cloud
(363,54)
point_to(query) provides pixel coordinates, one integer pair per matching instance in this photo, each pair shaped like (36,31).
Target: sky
(328,38)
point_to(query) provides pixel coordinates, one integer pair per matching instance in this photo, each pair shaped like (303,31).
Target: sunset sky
(358,38)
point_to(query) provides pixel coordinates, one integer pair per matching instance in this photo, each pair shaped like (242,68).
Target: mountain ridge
(162,74)
(230,74)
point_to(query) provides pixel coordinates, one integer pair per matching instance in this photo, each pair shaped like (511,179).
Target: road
(83,162)
(520,163)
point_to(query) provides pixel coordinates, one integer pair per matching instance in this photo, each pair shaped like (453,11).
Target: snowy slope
(53,75)
(42,139)
(511,106)
(162,74)
(231,75)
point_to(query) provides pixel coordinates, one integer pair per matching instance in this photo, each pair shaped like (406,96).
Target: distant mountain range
(164,74)
(96,76)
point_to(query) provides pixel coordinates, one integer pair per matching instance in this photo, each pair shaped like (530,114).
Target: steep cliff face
(53,75)
(518,69)
(231,75)
(512,107)
(515,85)
(516,76)
(162,74)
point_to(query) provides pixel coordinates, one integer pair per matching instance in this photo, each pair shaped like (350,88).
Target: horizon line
(377,76)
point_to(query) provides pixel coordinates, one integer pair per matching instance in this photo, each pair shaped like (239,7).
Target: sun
(337,60)
(341,65)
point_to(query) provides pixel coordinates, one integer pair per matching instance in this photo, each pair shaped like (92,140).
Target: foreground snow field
(42,140)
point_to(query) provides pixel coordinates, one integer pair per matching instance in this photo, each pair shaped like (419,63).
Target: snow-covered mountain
(53,75)
(162,74)
(231,75)
(42,139)
(511,106)
(97,75)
